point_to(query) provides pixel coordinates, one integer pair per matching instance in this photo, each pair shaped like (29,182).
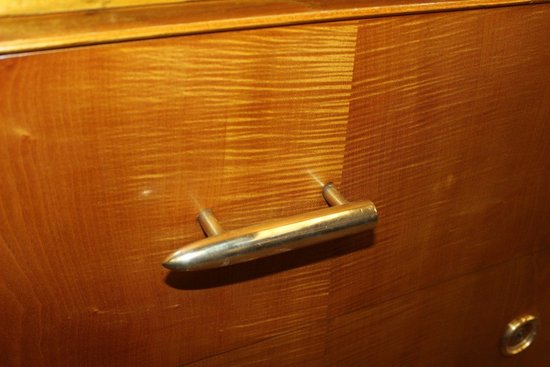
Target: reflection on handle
(222,248)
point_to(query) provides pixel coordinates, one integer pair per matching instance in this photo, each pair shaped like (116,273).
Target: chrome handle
(260,240)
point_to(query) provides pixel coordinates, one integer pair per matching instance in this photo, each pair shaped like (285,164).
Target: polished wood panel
(50,31)
(108,153)
(301,347)
(541,306)
(27,7)
(452,324)
(457,323)
(448,135)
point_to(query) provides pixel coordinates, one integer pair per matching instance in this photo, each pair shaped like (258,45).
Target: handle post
(333,196)
(209,223)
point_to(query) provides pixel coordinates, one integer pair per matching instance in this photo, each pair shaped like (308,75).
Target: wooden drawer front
(107,153)
(448,134)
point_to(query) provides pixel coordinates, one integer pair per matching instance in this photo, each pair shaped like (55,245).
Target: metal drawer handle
(260,240)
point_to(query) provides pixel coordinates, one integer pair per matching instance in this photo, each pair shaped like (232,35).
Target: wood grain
(28,7)
(108,152)
(32,7)
(107,155)
(541,307)
(31,33)
(448,135)
(453,324)
(301,347)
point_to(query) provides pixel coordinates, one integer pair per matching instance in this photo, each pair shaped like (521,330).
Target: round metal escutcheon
(519,335)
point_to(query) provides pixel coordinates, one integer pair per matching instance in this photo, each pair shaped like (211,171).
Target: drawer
(109,151)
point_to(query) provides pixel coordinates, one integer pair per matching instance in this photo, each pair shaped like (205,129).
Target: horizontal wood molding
(28,7)
(51,31)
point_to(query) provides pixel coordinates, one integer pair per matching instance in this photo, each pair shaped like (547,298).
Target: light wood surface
(448,135)
(302,347)
(26,7)
(31,33)
(108,152)
(454,323)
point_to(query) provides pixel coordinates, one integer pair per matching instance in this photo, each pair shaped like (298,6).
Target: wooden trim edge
(44,32)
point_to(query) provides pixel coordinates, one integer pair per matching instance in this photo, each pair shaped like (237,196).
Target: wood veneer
(28,7)
(107,153)
(51,31)
(453,323)
(448,135)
